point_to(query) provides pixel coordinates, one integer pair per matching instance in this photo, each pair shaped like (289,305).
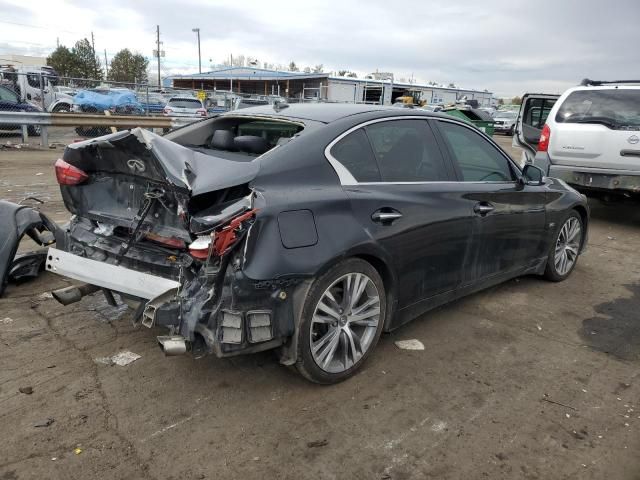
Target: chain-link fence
(45,91)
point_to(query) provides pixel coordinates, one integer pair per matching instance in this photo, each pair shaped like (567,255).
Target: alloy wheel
(345,322)
(567,246)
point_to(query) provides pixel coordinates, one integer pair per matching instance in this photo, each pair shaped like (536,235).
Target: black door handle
(385,216)
(483,208)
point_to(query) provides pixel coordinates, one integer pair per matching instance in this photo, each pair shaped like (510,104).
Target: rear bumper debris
(112,277)
(16,221)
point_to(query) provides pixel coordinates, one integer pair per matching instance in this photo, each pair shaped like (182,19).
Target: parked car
(183,106)
(10,102)
(152,103)
(308,229)
(505,121)
(589,137)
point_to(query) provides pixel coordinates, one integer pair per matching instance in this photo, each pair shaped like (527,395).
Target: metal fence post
(44,136)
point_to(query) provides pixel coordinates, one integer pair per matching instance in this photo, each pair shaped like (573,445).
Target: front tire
(565,248)
(342,319)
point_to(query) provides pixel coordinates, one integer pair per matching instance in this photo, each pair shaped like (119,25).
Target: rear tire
(339,330)
(565,248)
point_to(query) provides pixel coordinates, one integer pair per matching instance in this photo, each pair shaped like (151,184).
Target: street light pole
(197,31)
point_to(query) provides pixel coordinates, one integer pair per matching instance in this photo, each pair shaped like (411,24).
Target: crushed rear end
(164,226)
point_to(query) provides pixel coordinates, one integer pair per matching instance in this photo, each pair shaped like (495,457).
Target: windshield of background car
(505,115)
(185,103)
(614,108)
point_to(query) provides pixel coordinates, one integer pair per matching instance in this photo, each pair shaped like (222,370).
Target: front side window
(477,159)
(8,96)
(355,154)
(406,151)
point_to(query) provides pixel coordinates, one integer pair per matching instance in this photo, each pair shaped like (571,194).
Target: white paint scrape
(412,344)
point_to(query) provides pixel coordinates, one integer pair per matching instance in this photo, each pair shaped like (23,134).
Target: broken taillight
(67,174)
(545,136)
(167,241)
(200,247)
(218,243)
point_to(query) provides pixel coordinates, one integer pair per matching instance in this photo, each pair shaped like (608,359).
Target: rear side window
(355,154)
(477,159)
(536,112)
(614,108)
(406,151)
(185,103)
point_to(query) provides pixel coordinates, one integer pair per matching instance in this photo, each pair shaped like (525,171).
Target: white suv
(589,136)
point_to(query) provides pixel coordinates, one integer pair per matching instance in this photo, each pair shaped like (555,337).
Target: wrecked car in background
(308,229)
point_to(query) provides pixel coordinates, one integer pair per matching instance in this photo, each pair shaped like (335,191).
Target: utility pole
(197,31)
(95,63)
(106,66)
(158,53)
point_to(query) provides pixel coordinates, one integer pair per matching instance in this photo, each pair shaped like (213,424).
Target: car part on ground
(234,232)
(18,220)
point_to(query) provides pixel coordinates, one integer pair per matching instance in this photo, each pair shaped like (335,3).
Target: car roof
(324,112)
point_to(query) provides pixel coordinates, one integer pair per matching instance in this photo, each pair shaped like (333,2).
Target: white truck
(37,85)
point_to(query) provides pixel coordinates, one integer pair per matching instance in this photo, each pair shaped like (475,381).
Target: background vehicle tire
(342,320)
(34,130)
(565,247)
(510,132)
(62,108)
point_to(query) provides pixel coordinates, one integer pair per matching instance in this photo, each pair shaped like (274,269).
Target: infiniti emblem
(136,165)
(633,139)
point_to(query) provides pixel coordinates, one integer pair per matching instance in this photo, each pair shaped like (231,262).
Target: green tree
(128,67)
(516,101)
(318,68)
(88,63)
(352,75)
(63,61)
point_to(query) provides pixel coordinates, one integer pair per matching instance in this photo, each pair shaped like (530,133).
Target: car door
(533,114)
(508,218)
(401,194)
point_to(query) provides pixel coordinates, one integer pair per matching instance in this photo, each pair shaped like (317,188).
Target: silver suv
(589,136)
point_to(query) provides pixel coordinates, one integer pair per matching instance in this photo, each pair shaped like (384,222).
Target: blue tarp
(106,99)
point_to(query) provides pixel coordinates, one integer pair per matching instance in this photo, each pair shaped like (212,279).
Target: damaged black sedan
(308,229)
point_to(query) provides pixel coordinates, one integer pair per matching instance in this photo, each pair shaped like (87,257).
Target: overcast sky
(507,47)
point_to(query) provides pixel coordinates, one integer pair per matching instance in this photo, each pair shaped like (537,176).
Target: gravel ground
(529,379)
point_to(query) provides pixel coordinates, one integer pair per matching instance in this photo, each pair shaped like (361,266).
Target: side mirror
(533,174)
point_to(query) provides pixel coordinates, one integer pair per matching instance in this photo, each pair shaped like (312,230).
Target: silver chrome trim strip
(105,275)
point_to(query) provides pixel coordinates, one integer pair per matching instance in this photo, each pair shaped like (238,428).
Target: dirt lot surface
(529,380)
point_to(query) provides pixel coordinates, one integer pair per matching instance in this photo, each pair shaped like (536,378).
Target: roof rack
(595,83)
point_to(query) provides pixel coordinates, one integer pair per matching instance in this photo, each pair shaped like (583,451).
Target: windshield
(185,103)
(505,115)
(614,108)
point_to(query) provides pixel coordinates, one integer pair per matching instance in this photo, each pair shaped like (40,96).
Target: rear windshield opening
(613,108)
(250,136)
(185,103)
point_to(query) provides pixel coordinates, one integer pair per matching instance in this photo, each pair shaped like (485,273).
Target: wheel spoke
(354,344)
(372,301)
(364,316)
(315,347)
(328,310)
(326,355)
(359,287)
(322,319)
